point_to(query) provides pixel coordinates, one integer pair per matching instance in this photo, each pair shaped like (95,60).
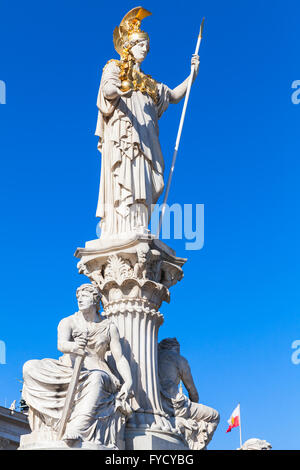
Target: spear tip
(201,27)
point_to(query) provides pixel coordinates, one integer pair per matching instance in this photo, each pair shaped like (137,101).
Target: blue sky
(236,312)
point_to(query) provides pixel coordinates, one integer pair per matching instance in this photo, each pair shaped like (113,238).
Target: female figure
(100,408)
(130,104)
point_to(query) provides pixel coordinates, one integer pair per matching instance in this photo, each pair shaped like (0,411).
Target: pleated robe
(132,162)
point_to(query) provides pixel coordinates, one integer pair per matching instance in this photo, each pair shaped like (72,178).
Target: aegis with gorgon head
(130,104)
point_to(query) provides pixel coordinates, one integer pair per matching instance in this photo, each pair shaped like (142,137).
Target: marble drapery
(98,416)
(132,162)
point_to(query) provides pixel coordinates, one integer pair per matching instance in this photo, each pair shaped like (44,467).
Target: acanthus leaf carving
(117,270)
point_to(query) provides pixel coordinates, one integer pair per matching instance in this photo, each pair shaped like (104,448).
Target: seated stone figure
(99,408)
(197,422)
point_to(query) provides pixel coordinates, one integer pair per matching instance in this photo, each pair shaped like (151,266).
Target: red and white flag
(235,419)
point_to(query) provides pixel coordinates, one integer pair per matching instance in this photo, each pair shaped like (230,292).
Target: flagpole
(187,94)
(240,426)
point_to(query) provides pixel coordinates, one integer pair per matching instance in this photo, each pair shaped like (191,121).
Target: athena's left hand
(195,62)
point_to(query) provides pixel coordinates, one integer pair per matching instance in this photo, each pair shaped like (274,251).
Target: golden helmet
(130,28)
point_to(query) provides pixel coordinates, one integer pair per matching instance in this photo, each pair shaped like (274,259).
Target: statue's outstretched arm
(187,379)
(179,92)
(121,361)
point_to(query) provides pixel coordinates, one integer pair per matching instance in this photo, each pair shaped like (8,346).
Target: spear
(69,402)
(187,94)
(67,409)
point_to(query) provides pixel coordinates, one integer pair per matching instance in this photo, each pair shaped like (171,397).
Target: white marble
(116,357)
(149,439)
(256,444)
(100,405)
(130,104)
(48,440)
(197,422)
(134,280)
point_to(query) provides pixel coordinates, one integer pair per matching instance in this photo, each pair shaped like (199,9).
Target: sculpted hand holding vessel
(130,104)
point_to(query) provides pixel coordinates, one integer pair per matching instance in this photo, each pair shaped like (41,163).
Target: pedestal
(134,277)
(48,440)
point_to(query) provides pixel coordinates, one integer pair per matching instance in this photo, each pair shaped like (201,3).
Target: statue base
(141,439)
(137,439)
(47,440)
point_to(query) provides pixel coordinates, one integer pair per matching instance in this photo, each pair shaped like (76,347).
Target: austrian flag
(234,420)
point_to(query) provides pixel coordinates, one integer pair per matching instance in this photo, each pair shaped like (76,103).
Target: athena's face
(140,50)
(85,300)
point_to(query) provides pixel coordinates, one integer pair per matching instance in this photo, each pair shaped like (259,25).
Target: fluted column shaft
(138,323)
